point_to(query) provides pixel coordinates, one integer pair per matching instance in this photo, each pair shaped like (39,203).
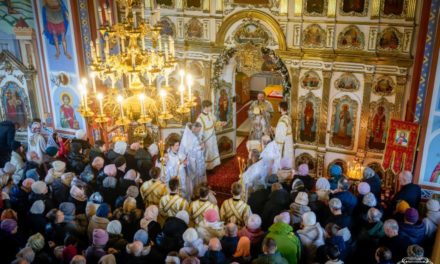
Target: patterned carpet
(221,178)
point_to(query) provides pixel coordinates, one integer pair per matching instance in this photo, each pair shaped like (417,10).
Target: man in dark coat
(7,135)
(394,240)
(409,192)
(374,181)
(144,163)
(258,198)
(348,200)
(171,237)
(99,150)
(412,227)
(279,200)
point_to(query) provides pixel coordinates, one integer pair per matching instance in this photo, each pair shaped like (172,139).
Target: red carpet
(221,178)
(242,115)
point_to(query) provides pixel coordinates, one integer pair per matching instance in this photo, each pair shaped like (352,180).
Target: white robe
(191,149)
(284,138)
(37,143)
(175,167)
(212,156)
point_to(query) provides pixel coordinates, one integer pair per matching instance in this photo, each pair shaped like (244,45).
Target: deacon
(234,210)
(152,190)
(192,148)
(283,134)
(175,166)
(260,112)
(198,207)
(172,203)
(209,121)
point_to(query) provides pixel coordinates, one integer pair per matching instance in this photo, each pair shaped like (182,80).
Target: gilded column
(207,88)
(365,109)
(294,79)
(323,118)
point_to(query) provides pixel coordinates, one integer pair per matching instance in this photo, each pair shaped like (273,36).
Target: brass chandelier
(132,60)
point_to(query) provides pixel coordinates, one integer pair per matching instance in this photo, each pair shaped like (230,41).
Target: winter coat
(154,230)
(48,203)
(342,220)
(348,200)
(131,160)
(95,223)
(311,237)
(308,181)
(60,191)
(213,257)
(255,236)
(257,200)
(411,193)
(56,233)
(10,244)
(432,220)
(116,241)
(149,254)
(270,259)
(375,186)
(93,254)
(188,249)
(95,152)
(76,163)
(278,202)
(415,232)
(288,243)
(398,246)
(37,223)
(296,212)
(112,155)
(144,163)
(7,135)
(18,198)
(229,245)
(170,238)
(368,241)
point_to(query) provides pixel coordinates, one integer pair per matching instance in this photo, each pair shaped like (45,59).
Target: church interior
(198,131)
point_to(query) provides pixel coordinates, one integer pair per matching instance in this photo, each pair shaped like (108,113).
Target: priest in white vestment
(193,149)
(36,141)
(260,113)
(283,134)
(209,138)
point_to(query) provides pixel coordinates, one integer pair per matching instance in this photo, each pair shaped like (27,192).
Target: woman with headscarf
(242,254)
(149,222)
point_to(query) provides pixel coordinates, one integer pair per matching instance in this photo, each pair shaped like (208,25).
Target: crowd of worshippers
(110,206)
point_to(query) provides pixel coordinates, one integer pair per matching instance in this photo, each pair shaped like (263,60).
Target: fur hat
(36,242)
(363,188)
(39,187)
(37,207)
(114,227)
(303,169)
(253,222)
(302,198)
(27,183)
(322,184)
(109,182)
(96,198)
(183,215)
(110,170)
(33,174)
(103,210)
(335,204)
(283,217)
(120,147)
(100,237)
(59,166)
(433,205)
(369,200)
(190,235)
(80,134)
(335,170)
(309,219)
(133,191)
(142,236)
(119,161)
(411,215)
(211,216)
(402,206)
(8,225)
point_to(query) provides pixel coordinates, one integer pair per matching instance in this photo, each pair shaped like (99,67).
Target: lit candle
(92,76)
(109,17)
(143,43)
(160,43)
(98,47)
(120,101)
(100,97)
(166,52)
(182,91)
(83,91)
(134,19)
(182,75)
(163,94)
(142,98)
(123,43)
(189,82)
(143,10)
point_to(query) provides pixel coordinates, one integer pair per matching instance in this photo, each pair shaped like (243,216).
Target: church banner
(400,146)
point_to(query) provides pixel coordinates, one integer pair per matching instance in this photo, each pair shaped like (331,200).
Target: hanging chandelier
(132,59)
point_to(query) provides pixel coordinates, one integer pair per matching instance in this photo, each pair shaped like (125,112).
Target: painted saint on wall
(314,36)
(389,40)
(393,7)
(223,106)
(194,4)
(311,80)
(356,6)
(384,86)
(347,82)
(351,37)
(67,113)
(315,6)
(379,125)
(14,101)
(55,22)
(308,129)
(344,118)
(194,28)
